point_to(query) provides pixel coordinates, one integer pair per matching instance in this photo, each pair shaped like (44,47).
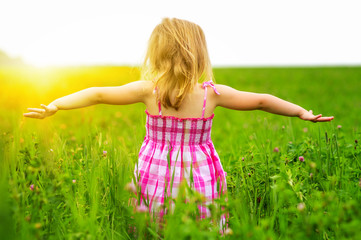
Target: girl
(180,101)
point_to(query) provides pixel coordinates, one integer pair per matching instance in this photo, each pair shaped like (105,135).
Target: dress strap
(160,108)
(205,85)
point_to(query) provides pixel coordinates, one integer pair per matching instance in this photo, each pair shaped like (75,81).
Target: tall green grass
(56,181)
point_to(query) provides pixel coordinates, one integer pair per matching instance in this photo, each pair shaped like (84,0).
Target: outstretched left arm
(279,106)
(239,100)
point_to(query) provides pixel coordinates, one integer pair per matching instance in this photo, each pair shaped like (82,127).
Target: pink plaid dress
(181,147)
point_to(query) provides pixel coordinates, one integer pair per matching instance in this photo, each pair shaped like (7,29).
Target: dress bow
(210,83)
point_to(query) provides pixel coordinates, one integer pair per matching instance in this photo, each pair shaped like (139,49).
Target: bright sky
(243,33)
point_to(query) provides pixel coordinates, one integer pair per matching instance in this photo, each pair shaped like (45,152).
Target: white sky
(244,33)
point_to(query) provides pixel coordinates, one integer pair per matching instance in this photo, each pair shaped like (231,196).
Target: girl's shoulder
(146,89)
(221,87)
(146,86)
(145,83)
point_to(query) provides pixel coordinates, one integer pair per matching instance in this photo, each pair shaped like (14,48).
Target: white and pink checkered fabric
(177,146)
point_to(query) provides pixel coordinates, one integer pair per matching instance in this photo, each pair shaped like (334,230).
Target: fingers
(45,107)
(33,115)
(38,110)
(314,118)
(323,119)
(318,116)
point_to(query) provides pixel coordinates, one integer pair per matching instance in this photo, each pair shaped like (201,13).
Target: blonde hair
(177,57)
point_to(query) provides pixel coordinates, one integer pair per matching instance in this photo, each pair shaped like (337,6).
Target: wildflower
(301,206)
(313,165)
(283,127)
(301,158)
(276,149)
(339,126)
(242,158)
(105,153)
(37,225)
(32,187)
(118,114)
(74,181)
(51,150)
(203,198)
(305,130)
(185,219)
(228,231)
(311,175)
(130,187)
(141,209)
(249,174)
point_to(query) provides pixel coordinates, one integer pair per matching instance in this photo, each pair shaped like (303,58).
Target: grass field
(64,177)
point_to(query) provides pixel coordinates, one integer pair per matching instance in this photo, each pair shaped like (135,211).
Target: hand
(308,116)
(47,111)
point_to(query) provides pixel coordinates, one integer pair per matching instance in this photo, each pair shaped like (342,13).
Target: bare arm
(127,94)
(238,100)
(83,98)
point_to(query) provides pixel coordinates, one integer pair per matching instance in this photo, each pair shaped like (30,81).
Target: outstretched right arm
(121,95)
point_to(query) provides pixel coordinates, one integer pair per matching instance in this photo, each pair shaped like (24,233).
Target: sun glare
(44,54)
(38,62)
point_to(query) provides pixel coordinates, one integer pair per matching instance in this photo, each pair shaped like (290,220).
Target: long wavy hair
(176,59)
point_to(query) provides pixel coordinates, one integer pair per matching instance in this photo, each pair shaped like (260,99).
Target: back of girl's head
(177,58)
